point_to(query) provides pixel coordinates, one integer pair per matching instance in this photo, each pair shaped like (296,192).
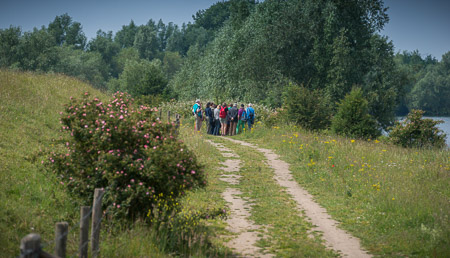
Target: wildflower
(352,141)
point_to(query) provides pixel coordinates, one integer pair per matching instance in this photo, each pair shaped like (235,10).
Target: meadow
(394,199)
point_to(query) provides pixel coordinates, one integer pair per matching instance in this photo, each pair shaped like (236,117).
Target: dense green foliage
(427,83)
(246,51)
(415,131)
(353,119)
(308,108)
(137,159)
(328,45)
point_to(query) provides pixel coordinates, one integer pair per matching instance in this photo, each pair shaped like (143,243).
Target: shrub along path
(335,238)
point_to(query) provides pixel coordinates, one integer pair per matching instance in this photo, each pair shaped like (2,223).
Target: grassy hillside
(29,120)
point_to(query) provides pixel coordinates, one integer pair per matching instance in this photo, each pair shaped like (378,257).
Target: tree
(36,50)
(432,92)
(143,78)
(9,44)
(65,31)
(352,118)
(172,63)
(146,41)
(308,108)
(417,132)
(103,43)
(125,36)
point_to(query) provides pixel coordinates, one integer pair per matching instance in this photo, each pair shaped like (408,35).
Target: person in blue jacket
(250,116)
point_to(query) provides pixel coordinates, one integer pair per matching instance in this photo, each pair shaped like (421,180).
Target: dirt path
(335,238)
(238,222)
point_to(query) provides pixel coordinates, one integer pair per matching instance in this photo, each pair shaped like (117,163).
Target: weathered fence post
(96,220)
(168,116)
(177,122)
(61,231)
(160,114)
(30,246)
(84,231)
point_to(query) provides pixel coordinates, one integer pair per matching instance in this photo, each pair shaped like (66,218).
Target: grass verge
(395,200)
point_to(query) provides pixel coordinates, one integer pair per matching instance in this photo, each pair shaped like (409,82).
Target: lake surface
(444,126)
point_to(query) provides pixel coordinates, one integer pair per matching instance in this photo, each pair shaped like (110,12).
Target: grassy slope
(29,120)
(31,200)
(396,200)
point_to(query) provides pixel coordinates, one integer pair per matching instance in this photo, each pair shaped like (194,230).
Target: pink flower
(192,172)
(118,205)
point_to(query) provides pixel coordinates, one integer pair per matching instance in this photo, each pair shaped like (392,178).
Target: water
(444,126)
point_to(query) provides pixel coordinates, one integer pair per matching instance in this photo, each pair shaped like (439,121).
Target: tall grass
(30,200)
(396,200)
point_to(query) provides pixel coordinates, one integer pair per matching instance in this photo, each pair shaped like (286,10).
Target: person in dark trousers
(250,116)
(216,130)
(233,117)
(208,116)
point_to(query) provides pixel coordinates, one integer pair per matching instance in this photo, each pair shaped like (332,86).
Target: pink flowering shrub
(125,150)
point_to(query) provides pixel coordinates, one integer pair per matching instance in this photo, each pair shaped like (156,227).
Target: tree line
(248,51)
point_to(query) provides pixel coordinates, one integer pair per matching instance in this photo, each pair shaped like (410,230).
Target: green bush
(307,108)
(126,151)
(418,132)
(352,118)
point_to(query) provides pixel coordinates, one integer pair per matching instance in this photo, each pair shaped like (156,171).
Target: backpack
(251,113)
(222,113)
(244,116)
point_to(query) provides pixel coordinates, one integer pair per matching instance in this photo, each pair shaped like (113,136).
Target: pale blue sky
(414,24)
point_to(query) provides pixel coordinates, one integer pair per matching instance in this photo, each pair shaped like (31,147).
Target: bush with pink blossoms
(122,148)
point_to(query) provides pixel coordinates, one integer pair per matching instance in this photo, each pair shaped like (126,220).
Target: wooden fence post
(168,116)
(160,114)
(61,231)
(96,221)
(84,231)
(177,123)
(30,246)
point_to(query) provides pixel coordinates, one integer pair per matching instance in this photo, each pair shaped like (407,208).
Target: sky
(414,24)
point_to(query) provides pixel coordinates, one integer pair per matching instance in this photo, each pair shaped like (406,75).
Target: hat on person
(197,101)
(249,104)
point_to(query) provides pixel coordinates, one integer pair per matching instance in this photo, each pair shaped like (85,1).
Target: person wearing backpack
(197,111)
(250,116)
(242,118)
(223,118)
(233,117)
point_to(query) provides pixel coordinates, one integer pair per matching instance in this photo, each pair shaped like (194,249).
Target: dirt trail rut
(335,238)
(238,222)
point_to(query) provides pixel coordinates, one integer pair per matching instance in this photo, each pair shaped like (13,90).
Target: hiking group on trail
(223,119)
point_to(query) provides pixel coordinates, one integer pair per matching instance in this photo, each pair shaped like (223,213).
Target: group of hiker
(223,119)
